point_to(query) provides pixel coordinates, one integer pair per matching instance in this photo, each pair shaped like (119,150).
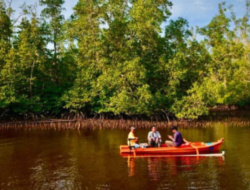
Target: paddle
(196,148)
(134,152)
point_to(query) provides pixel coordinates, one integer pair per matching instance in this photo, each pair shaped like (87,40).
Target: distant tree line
(114,57)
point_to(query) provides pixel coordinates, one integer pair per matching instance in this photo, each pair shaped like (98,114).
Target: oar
(196,148)
(134,152)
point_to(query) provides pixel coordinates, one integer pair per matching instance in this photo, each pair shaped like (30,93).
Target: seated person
(177,140)
(154,138)
(132,139)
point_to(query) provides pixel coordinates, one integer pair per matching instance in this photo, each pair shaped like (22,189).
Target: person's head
(153,129)
(132,128)
(174,129)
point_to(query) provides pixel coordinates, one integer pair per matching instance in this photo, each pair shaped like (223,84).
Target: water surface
(90,159)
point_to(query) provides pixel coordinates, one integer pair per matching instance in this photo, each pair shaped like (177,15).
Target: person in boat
(132,139)
(176,140)
(154,137)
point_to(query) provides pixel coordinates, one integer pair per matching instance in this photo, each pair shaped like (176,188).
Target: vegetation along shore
(120,60)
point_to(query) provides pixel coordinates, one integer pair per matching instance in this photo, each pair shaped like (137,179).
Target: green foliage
(113,57)
(190,106)
(5,33)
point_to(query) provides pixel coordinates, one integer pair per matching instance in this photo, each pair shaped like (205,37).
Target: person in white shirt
(154,138)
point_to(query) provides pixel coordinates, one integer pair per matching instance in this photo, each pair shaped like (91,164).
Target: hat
(132,128)
(174,128)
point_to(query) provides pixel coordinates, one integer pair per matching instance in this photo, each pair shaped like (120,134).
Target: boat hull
(190,149)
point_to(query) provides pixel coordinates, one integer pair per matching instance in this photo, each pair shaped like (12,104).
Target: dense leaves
(115,57)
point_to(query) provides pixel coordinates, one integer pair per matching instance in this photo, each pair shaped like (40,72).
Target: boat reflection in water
(159,167)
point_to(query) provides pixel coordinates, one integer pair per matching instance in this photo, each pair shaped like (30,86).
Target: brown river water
(90,159)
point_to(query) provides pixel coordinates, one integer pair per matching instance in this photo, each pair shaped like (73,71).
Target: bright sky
(197,12)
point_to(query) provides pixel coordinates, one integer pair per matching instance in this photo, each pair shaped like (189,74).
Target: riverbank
(232,117)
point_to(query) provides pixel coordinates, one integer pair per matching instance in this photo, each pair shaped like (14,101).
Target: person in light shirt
(154,138)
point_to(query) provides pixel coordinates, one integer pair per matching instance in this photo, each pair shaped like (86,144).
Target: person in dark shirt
(177,140)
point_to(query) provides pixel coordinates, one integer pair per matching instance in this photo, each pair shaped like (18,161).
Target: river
(89,159)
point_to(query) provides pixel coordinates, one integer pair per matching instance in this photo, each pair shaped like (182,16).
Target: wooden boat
(191,148)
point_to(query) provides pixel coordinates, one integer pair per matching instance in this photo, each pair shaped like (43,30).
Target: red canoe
(191,149)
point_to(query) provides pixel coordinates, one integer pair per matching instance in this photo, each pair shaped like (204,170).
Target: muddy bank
(234,117)
(112,124)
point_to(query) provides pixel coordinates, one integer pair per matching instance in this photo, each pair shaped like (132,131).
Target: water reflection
(167,169)
(154,166)
(88,159)
(131,166)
